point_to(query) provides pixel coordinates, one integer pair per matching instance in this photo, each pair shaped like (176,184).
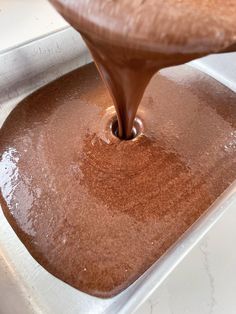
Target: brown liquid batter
(130,40)
(96,211)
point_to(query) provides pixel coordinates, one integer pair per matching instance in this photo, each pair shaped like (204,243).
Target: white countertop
(205,281)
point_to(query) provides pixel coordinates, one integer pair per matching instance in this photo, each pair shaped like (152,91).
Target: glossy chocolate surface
(97,211)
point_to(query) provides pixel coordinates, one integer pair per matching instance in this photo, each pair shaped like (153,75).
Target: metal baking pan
(33,289)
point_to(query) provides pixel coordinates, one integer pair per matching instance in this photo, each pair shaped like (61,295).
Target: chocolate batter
(130,40)
(96,211)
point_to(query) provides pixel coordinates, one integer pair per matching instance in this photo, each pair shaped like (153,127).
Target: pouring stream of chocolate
(96,211)
(130,40)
